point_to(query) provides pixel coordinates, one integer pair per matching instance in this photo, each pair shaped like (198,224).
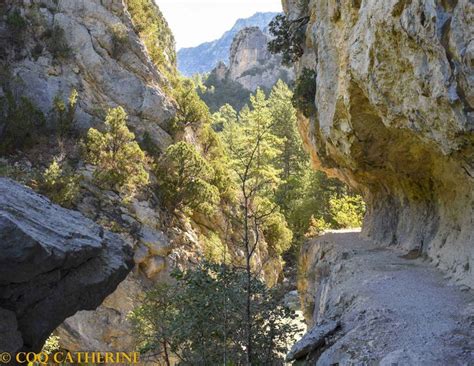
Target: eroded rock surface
(391,309)
(251,64)
(394,118)
(54,263)
(106,72)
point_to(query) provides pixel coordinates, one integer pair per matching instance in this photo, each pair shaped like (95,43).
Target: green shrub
(60,184)
(120,162)
(119,38)
(16,26)
(153,29)
(185,180)
(215,250)
(200,319)
(64,113)
(305,92)
(348,211)
(15,21)
(22,125)
(56,42)
(288,38)
(191,110)
(277,234)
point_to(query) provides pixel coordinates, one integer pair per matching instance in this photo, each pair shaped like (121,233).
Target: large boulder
(54,262)
(394,117)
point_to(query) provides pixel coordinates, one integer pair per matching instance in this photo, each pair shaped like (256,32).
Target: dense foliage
(60,184)
(198,319)
(153,29)
(190,109)
(216,93)
(305,92)
(302,198)
(22,122)
(185,180)
(288,38)
(120,162)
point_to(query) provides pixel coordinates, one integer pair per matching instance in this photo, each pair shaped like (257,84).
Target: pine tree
(119,160)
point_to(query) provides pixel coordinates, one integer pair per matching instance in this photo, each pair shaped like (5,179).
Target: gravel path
(393,310)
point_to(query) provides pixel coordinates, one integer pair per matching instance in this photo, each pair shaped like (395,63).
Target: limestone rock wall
(251,64)
(106,68)
(395,117)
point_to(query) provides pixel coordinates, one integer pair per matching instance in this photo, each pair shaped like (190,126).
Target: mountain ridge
(205,57)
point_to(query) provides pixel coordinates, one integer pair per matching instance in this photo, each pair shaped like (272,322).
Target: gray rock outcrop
(395,118)
(251,64)
(54,263)
(206,56)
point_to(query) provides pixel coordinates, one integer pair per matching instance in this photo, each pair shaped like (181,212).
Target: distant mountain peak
(206,56)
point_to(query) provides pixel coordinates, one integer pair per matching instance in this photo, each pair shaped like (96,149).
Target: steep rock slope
(206,56)
(252,65)
(90,46)
(94,47)
(54,262)
(394,118)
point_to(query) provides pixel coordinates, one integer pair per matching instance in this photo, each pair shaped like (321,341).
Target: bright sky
(196,21)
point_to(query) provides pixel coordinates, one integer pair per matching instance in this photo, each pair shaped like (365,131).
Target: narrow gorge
(197,219)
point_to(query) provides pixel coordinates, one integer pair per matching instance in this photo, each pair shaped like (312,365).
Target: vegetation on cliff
(198,320)
(237,180)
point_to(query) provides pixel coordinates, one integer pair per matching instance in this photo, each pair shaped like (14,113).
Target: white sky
(196,21)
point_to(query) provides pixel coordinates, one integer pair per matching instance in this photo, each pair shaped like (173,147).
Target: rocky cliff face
(206,56)
(251,64)
(394,100)
(54,262)
(94,47)
(90,46)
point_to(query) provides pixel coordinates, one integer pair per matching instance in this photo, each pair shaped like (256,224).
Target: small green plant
(214,249)
(185,180)
(56,42)
(60,184)
(23,123)
(120,162)
(305,92)
(15,21)
(16,25)
(119,38)
(65,113)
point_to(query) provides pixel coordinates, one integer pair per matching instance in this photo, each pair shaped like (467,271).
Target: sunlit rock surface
(394,118)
